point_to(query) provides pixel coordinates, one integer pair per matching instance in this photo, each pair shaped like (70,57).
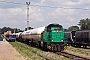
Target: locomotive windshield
(56,28)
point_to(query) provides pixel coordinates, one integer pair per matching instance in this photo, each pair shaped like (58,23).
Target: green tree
(84,24)
(73,28)
(4,29)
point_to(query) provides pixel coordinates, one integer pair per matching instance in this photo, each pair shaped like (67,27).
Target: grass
(79,50)
(31,53)
(26,51)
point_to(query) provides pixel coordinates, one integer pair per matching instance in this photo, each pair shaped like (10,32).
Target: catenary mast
(28,3)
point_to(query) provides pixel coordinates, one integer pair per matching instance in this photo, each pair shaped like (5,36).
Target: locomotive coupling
(49,47)
(65,47)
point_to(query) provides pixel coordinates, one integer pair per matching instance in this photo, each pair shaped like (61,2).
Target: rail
(73,55)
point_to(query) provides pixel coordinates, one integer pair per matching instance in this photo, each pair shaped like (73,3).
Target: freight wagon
(11,37)
(79,38)
(82,38)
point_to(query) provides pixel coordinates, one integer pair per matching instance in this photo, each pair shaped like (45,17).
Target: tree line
(83,24)
(13,30)
(5,29)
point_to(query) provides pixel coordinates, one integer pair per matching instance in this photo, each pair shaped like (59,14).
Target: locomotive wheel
(45,46)
(73,45)
(26,41)
(55,48)
(89,46)
(78,45)
(65,47)
(32,42)
(84,46)
(58,48)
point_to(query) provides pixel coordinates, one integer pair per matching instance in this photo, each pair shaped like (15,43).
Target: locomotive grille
(57,36)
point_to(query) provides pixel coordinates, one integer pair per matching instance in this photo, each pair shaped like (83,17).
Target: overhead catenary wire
(60,7)
(12,2)
(46,6)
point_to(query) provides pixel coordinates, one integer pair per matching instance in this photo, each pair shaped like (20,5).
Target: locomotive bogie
(55,46)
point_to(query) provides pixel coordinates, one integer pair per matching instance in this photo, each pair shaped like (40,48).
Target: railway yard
(32,53)
(47,43)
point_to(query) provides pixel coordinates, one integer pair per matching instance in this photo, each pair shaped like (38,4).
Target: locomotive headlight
(52,40)
(61,40)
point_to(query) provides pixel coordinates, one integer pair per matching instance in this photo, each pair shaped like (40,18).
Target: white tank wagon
(17,35)
(28,35)
(23,34)
(36,34)
(32,35)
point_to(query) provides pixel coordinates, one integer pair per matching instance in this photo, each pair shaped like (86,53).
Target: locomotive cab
(54,33)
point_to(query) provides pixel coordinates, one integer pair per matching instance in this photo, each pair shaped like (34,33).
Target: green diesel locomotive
(53,37)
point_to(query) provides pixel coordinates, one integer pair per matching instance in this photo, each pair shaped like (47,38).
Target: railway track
(86,49)
(73,55)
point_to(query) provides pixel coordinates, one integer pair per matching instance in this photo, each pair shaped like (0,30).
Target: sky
(13,13)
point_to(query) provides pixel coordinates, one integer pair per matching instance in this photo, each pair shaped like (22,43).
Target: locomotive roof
(54,25)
